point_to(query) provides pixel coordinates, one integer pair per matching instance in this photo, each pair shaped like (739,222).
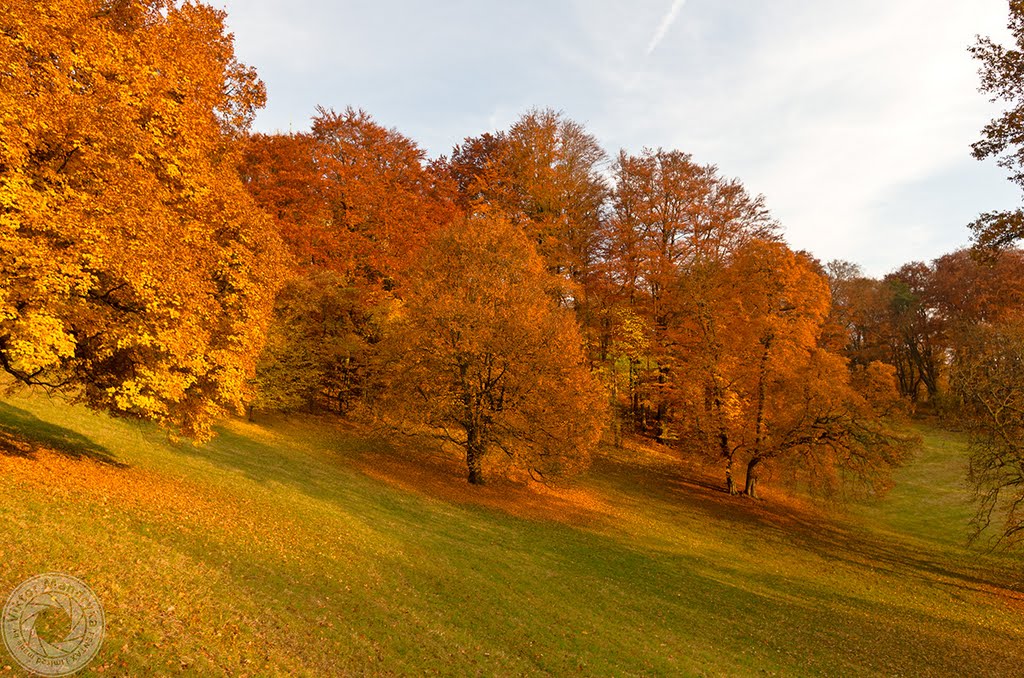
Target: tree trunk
(474,456)
(751,485)
(723,444)
(730,484)
(661,415)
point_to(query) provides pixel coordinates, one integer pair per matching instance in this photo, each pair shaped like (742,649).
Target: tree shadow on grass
(23,434)
(264,462)
(818,530)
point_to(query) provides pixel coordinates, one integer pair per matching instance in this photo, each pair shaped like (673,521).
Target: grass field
(297,547)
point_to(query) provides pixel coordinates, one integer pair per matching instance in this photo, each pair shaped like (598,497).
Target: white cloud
(666,23)
(833,110)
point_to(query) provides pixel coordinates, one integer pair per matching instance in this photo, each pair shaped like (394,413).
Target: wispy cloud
(666,23)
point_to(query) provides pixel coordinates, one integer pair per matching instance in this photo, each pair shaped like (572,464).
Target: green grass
(930,499)
(300,548)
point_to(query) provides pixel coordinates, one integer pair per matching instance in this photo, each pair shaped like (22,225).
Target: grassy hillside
(297,547)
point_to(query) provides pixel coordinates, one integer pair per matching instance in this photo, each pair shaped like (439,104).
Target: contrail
(666,23)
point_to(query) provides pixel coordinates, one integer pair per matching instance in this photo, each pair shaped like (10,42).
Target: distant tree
(1002,78)
(988,378)
(843,332)
(915,331)
(968,287)
(138,275)
(484,358)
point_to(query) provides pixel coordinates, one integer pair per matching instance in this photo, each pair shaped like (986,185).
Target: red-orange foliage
(482,355)
(350,196)
(545,175)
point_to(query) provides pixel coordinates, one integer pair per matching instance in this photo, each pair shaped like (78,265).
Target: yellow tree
(484,357)
(138,273)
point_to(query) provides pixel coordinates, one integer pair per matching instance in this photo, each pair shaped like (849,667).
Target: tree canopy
(1002,78)
(484,358)
(139,274)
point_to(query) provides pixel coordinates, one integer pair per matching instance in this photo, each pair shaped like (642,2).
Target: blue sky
(854,119)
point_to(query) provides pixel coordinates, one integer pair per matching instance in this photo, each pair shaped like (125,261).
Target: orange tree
(755,385)
(138,274)
(546,174)
(673,226)
(484,358)
(354,202)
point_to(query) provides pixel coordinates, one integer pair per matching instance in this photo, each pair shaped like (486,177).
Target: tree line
(517,299)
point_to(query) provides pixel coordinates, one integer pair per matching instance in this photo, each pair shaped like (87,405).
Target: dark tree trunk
(474,456)
(476,475)
(750,488)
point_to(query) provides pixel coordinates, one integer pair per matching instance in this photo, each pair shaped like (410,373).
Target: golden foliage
(138,273)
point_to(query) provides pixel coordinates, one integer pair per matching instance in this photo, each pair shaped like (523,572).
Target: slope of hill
(299,547)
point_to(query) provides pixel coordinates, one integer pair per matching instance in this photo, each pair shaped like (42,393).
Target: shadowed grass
(22,433)
(301,548)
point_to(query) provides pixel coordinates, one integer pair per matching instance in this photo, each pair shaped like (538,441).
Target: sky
(854,119)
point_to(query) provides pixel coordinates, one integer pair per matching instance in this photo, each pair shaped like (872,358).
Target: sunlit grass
(300,548)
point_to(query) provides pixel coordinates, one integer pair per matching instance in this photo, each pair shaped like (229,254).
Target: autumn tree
(354,202)
(902,319)
(280,171)
(916,333)
(383,201)
(836,431)
(546,175)
(858,325)
(1002,78)
(138,273)
(351,195)
(757,388)
(970,287)
(673,226)
(483,357)
(315,356)
(988,378)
